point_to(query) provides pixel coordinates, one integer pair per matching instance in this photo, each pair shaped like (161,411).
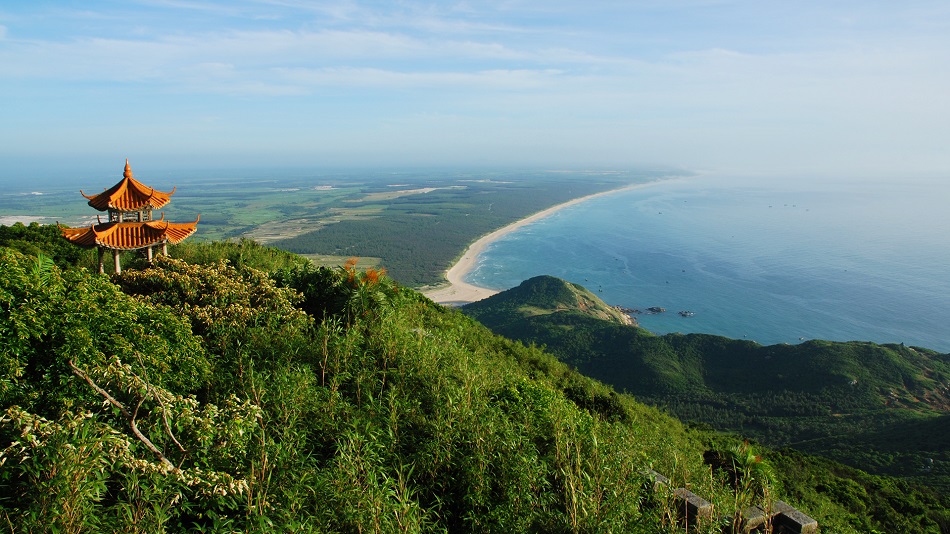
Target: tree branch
(158,399)
(135,429)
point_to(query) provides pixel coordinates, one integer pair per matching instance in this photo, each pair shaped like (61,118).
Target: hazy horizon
(725,86)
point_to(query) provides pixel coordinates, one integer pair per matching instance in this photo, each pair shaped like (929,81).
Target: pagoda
(130,225)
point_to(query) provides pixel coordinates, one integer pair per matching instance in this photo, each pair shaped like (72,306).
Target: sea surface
(770,260)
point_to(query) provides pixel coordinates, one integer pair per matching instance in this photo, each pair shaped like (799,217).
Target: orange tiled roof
(130,235)
(129,195)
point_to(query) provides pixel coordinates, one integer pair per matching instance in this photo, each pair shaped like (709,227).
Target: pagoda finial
(128,169)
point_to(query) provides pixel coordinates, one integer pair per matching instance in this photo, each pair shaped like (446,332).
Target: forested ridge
(882,408)
(239,388)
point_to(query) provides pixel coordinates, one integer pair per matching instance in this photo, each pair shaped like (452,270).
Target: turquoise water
(775,261)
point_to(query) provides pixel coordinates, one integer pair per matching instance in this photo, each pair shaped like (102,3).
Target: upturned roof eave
(99,235)
(128,186)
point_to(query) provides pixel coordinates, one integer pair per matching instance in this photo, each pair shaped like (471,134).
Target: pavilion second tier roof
(129,195)
(130,235)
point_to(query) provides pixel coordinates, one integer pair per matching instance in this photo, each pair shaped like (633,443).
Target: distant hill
(849,401)
(544,295)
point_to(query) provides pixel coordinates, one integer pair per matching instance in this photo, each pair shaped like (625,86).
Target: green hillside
(854,402)
(545,295)
(199,395)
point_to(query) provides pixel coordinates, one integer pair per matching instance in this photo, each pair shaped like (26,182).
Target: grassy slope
(409,418)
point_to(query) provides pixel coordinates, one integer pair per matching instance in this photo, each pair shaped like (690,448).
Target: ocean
(769,260)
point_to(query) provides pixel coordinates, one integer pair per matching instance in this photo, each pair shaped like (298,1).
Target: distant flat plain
(416,224)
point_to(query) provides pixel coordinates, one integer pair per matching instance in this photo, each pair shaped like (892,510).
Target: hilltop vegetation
(203,395)
(209,397)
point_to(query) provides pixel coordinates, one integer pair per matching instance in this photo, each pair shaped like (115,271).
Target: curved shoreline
(459,292)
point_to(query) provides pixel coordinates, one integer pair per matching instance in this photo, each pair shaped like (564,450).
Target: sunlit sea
(770,260)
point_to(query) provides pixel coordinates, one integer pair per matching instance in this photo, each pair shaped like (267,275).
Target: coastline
(458,292)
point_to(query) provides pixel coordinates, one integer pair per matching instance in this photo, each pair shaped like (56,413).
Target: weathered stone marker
(795,522)
(658,479)
(692,506)
(782,517)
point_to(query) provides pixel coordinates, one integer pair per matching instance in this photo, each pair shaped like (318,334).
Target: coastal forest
(235,387)
(419,235)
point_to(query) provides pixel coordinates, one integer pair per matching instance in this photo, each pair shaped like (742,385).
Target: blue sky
(736,86)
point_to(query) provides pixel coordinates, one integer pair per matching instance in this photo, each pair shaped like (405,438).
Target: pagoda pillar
(165,248)
(148,254)
(101,255)
(116,255)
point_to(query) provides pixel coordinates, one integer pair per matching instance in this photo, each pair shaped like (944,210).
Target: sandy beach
(457,292)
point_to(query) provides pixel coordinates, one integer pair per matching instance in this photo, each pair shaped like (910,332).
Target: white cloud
(662,78)
(96,58)
(371,77)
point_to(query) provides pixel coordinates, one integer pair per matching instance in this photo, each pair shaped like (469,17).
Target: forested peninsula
(234,387)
